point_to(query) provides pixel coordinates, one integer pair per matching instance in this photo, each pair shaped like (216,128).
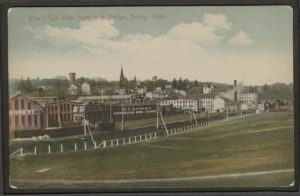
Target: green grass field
(258,143)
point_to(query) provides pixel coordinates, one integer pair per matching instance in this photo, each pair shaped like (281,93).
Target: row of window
(63,117)
(22,105)
(21,121)
(62,107)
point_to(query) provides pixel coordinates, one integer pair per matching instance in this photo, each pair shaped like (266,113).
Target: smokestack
(72,77)
(234,83)
(235,95)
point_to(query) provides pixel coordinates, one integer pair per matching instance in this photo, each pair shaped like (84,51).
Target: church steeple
(122,75)
(123,80)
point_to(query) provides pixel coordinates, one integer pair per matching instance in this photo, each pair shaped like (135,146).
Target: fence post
(84,145)
(111,143)
(129,140)
(61,148)
(34,150)
(21,152)
(49,149)
(140,137)
(145,137)
(134,139)
(95,145)
(75,146)
(117,142)
(154,135)
(104,144)
(150,136)
(123,141)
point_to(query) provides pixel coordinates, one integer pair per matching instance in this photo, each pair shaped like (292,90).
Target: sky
(252,44)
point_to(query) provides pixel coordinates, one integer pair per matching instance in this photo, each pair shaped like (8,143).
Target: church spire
(122,75)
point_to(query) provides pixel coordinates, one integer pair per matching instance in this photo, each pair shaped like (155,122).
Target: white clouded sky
(203,43)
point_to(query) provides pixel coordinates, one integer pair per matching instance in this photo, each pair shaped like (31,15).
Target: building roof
(104,97)
(199,96)
(59,101)
(12,96)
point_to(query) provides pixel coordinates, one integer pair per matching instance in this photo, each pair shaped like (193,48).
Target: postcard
(151,97)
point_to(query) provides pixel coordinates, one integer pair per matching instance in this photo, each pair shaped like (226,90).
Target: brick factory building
(25,114)
(97,112)
(60,113)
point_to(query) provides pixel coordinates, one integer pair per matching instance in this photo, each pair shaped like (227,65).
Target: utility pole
(84,125)
(122,124)
(157,114)
(101,91)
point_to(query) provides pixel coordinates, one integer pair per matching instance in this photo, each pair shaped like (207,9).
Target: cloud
(217,20)
(195,32)
(240,38)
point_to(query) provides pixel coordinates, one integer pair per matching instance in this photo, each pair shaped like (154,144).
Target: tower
(123,80)
(72,77)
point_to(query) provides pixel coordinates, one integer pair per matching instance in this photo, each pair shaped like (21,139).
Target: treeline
(273,92)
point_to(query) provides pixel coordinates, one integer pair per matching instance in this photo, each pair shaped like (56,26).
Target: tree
(29,87)
(174,83)
(180,84)
(22,86)
(196,84)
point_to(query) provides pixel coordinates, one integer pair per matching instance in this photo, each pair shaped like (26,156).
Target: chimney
(72,77)
(235,95)
(234,84)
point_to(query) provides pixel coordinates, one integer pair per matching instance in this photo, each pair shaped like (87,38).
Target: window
(35,120)
(65,107)
(56,108)
(65,116)
(29,120)
(60,107)
(16,104)
(17,120)
(68,107)
(23,120)
(22,104)
(29,106)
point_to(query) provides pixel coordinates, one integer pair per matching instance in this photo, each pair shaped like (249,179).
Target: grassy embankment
(262,142)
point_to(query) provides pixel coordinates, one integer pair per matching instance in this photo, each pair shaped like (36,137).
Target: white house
(149,95)
(246,97)
(157,90)
(206,88)
(205,101)
(142,90)
(73,89)
(86,88)
(181,92)
(184,104)
(218,104)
